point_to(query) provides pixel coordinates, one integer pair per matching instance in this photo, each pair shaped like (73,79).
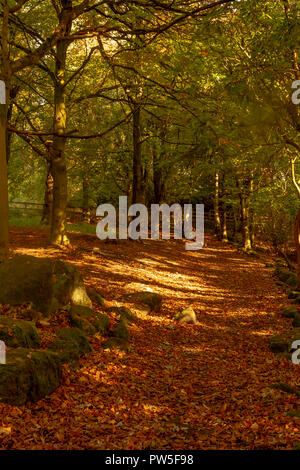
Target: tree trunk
(297,243)
(223,207)
(4,237)
(137,183)
(48,199)
(5,76)
(60,193)
(245,222)
(85,201)
(9,135)
(158,181)
(224,223)
(235,225)
(158,157)
(216,207)
(252,231)
(57,151)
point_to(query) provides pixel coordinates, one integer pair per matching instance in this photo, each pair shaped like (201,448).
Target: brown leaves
(181,386)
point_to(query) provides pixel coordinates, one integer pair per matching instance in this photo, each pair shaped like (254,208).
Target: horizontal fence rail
(77,214)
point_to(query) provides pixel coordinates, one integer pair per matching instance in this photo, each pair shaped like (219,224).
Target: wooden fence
(76,214)
(29,209)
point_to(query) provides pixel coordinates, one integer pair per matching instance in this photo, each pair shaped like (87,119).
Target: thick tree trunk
(137,183)
(5,76)
(4,237)
(57,151)
(235,224)
(297,243)
(223,207)
(252,231)
(158,157)
(216,207)
(158,181)
(60,194)
(247,245)
(8,135)
(224,223)
(85,201)
(48,199)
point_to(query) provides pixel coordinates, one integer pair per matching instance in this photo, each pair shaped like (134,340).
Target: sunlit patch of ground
(181,386)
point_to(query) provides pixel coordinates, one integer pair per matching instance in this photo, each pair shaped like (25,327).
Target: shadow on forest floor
(204,386)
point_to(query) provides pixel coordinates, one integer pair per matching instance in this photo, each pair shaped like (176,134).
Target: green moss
(151,299)
(84,325)
(121,331)
(116,343)
(48,284)
(186,316)
(17,333)
(296,321)
(289,312)
(293,294)
(75,334)
(288,277)
(278,344)
(82,311)
(88,320)
(80,317)
(29,375)
(68,350)
(286,388)
(296,300)
(124,313)
(101,323)
(46,374)
(96,297)
(294,413)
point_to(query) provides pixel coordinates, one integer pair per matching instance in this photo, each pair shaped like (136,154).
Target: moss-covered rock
(187,316)
(296,300)
(293,294)
(116,343)
(28,375)
(76,335)
(121,330)
(278,344)
(101,323)
(46,283)
(288,277)
(68,351)
(286,388)
(251,253)
(281,284)
(96,297)
(294,414)
(283,274)
(80,317)
(296,320)
(296,337)
(17,333)
(123,313)
(83,324)
(152,299)
(290,312)
(88,320)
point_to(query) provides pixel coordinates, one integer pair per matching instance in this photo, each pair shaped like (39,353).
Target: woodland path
(203,386)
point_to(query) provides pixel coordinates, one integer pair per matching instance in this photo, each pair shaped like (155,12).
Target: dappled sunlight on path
(204,386)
